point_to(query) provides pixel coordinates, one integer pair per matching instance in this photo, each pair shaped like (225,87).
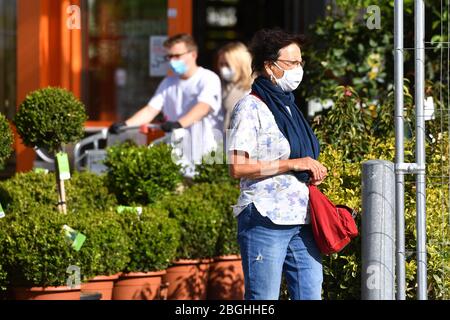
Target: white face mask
(227,74)
(291,78)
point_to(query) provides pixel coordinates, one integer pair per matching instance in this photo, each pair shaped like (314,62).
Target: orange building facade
(55,45)
(108,52)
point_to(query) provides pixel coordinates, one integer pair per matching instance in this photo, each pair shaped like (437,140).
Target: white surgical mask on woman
(227,74)
(291,79)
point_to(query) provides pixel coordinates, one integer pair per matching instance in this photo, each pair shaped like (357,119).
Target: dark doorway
(217,22)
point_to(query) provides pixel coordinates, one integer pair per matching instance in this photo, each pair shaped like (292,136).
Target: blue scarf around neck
(295,128)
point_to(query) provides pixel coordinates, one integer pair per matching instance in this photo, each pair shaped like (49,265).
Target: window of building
(8,57)
(217,22)
(8,69)
(123,64)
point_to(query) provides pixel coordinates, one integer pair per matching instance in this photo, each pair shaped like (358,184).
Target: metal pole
(378,231)
(399,151)
(419,13)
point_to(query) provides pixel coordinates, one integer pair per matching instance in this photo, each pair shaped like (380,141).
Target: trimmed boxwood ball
(35,251)
(200,221)
(107,244)
(223,196)
(49,118)
(153,239)
(139,175)
(214,169)
(3,274)
(85,191)
(6,140)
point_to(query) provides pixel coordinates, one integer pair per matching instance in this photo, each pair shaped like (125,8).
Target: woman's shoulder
(246,109)
(249,104)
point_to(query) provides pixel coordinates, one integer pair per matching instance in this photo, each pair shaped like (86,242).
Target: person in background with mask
(273,150)
(190,99)
(234,65)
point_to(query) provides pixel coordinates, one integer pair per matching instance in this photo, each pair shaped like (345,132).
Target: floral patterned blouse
(281,198)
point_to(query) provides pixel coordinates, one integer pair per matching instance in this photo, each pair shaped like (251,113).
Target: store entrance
(121,45)
(8,71)
(217,22)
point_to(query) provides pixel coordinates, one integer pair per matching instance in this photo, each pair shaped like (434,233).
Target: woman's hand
(316,182)
(318,171)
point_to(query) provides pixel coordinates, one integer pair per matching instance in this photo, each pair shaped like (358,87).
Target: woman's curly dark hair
(266,45)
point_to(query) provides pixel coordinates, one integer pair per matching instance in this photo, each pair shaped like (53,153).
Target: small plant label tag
(41,170)
(2,213)
(122,209)
(63,166)
(74,237)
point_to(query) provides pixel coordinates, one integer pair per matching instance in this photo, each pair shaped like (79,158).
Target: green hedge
(141,175)
(342,271)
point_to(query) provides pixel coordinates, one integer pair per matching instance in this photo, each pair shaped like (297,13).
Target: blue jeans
(268,250)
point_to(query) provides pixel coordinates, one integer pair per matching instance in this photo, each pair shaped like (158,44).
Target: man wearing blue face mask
(190,99)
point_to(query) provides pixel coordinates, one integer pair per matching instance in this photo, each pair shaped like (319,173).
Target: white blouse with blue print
(281,198)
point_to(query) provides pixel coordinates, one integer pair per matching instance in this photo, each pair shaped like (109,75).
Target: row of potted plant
(55,235)
(177,228)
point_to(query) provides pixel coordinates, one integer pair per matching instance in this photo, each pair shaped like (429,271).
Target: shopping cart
(90,153)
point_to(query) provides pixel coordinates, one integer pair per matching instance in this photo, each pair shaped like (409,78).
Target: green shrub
(3,274)
(199,219)
(342,271)
(26,191)
(153,239)
(107,245)
(88,191)
(35,251)
(223,197)
(85,191)
(214,169)
(343,52)
(50,118)
(141,175)
(6,140)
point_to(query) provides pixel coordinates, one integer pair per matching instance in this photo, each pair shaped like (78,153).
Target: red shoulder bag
(333,225)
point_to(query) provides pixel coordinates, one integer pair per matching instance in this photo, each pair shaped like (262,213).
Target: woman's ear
(269,71)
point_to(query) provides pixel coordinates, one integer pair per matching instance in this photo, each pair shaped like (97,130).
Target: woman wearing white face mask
(234,66)
(273,150)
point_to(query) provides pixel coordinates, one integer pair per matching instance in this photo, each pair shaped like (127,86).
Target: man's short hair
(187,39)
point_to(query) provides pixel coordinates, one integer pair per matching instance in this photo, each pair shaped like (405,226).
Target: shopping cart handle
(145,128)
(142,129)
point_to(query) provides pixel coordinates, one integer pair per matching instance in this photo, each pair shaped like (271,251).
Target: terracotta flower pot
(202,279)
(101,284)
(48,293)
(226,279)
(138,286)
(182,280)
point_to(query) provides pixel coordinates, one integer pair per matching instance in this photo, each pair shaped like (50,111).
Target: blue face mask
(179,67)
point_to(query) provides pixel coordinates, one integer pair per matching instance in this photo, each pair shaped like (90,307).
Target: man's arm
(143,116)
(197,112)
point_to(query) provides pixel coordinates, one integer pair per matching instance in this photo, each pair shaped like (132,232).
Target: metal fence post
(399,150)
(419,43)
(378,231)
